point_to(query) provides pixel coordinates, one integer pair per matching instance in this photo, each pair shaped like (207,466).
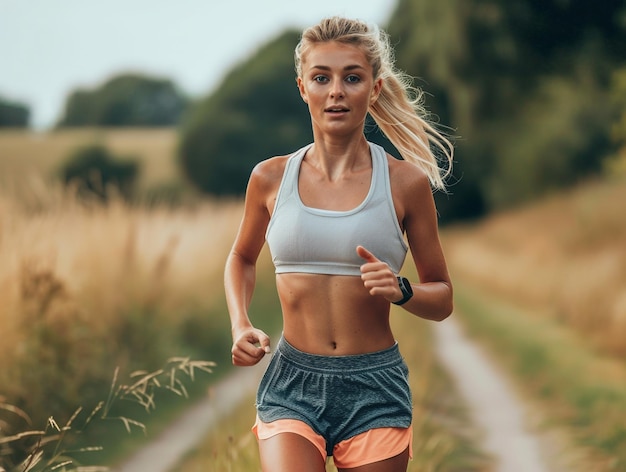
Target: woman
(336,215)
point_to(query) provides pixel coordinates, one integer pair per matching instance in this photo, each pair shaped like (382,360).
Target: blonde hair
(399,111)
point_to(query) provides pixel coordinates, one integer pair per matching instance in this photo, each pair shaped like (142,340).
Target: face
(338,85)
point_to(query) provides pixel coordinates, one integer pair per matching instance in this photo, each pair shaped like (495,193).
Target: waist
(332,315)
(370,361)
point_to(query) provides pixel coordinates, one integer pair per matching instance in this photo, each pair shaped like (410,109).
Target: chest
(342,194)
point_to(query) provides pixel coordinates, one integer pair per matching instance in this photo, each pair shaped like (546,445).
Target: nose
(336,90)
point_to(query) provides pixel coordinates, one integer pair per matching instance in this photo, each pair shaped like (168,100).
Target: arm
(240,270)
(432,296)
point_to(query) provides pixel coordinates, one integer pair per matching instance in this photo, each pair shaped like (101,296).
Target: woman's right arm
(249,344)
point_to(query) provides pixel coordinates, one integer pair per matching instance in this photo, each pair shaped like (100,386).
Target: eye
(353,79)
(320,79)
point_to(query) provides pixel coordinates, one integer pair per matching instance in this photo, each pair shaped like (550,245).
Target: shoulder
(411,192)
(406,177)
(268,173)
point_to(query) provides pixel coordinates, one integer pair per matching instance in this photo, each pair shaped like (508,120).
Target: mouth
(336,109)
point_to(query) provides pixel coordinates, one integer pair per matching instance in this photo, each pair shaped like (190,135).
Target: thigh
(397,463)
(287,452)
(381,449)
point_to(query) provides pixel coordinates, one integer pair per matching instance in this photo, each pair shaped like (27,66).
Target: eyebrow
(347,68)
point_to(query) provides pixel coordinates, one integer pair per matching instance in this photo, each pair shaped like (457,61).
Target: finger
(248,355)
(248,348)
(366,255)
(264,341)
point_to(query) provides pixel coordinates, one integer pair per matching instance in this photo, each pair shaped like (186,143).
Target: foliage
(95,171)
(616,165)
(256,113)
(618,99)
(13,115)
(126,100)
(522,84)
(54,447)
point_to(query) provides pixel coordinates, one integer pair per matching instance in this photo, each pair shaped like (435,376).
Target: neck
(336,157)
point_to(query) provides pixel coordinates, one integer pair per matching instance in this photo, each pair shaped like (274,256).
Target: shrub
(95,171)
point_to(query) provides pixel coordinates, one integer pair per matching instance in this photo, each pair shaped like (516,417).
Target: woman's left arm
(432,294)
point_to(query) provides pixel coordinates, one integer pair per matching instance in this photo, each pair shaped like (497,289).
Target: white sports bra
(317,241)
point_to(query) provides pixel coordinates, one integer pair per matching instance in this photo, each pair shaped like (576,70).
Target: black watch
(407,290)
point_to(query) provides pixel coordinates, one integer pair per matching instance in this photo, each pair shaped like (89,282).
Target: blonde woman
(339,216)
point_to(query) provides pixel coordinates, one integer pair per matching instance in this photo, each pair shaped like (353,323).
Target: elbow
(446,308)
(444,313)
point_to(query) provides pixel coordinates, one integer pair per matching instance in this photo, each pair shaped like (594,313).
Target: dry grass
(80,282)
(565,256)
(85,288)
(54,447)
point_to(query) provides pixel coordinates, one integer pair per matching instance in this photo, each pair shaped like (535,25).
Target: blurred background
(128,131)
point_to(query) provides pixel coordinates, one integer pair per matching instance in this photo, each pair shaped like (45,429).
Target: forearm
(431,300)
(239,283)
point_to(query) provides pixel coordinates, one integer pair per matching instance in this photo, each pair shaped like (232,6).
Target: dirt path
(493,404)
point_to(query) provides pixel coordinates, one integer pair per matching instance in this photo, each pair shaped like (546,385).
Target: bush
(14,115)
(95,172)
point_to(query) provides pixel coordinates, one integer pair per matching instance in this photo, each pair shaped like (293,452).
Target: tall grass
(566,254)
(58,448)
(85,288)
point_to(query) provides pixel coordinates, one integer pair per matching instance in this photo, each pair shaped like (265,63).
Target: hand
(249,347)
(377,277)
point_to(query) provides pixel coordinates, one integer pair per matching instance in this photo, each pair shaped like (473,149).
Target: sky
(48,48)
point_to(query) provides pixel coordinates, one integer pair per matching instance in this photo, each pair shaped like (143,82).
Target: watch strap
(405,288)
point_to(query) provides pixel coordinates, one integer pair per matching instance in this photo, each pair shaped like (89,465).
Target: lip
(336,109)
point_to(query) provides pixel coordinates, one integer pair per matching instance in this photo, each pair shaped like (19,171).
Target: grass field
(31,156)
(86,288)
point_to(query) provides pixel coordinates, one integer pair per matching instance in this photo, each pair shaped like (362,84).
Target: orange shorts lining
(371,446)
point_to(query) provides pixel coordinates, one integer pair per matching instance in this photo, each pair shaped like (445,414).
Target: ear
(378,86)
(302,90)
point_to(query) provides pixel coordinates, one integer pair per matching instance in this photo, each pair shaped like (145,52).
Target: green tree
(522,83)
(126,100)
(13,115)
(256,112)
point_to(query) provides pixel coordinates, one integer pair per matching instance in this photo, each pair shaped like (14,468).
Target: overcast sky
(50,47)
